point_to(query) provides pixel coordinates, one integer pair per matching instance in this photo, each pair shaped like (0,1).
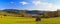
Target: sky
(46,5)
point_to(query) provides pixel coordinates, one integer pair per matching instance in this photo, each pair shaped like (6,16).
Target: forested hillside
(26,13)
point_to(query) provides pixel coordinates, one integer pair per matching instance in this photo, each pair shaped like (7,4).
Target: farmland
(22,20)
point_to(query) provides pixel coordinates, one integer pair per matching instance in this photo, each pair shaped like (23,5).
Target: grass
(22,20)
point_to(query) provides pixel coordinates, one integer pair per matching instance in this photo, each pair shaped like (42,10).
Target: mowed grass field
(22,20)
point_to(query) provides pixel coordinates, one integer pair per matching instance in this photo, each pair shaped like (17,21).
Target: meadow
(22,20)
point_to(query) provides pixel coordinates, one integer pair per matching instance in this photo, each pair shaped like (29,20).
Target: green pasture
(22,20)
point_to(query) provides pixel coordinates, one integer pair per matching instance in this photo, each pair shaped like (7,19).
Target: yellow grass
(22,20)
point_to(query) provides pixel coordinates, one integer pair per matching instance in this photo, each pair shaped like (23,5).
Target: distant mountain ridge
(26,11)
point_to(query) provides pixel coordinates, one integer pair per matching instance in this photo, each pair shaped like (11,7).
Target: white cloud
(57,6)
(36,3)
(44,5)
(48,5)
(23,3)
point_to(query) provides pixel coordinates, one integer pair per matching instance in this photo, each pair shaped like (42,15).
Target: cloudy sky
(30,4)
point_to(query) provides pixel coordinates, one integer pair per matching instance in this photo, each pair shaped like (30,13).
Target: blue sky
(30,4)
